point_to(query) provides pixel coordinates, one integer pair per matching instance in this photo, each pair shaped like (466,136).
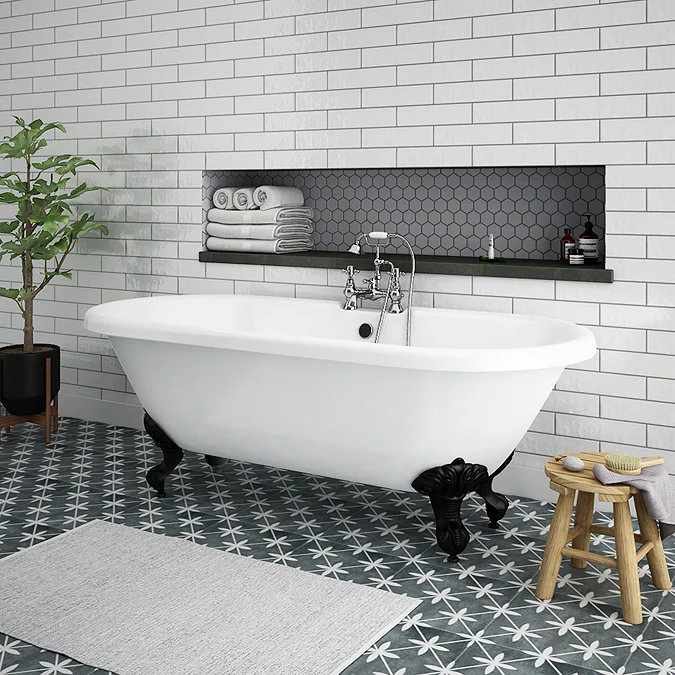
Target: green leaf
(80,190)
(62,244)
(8,198)
(6,176)
(51,162)
(51,226)
(15,185)
(73,164)
(45,253)
(7,228)
(54,125)
(25,292)
(94,227)
(42,187)
(15,249)
(12,293)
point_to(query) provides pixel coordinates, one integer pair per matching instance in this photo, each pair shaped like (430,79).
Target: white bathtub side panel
(368,424)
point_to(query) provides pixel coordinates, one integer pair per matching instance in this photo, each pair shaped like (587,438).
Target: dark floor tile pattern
(479,616)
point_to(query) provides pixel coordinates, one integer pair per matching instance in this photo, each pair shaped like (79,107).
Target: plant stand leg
(173,455)
(446,486)
(55,411)
(48,400)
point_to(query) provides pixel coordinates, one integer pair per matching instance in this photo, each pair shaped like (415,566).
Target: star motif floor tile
(477,616)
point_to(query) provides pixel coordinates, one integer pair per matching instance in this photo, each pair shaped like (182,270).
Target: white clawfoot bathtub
(290,383)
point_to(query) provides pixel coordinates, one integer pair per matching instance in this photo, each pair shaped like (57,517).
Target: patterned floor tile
(21,658)
(479,615)
(567,628)
(462,603)
(657,642)
(15,536)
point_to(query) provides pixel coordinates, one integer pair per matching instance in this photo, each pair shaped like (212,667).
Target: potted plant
(43,231)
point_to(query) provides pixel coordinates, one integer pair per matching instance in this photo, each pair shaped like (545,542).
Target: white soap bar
(573,463)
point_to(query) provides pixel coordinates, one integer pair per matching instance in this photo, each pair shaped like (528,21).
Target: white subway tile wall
(158,91)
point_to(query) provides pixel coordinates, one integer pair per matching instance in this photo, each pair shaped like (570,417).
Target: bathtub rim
(582,346)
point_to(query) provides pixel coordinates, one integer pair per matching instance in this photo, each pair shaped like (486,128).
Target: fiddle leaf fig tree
(45,227)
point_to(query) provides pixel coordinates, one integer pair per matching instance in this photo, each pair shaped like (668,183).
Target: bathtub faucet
(371,290)
(393,294)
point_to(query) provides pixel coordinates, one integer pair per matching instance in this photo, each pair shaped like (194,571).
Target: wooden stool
(566,484)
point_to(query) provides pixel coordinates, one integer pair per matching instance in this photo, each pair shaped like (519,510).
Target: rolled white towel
(222,197)
(282,231)
(272,196)
(243,199)
(286,245)
(280,215)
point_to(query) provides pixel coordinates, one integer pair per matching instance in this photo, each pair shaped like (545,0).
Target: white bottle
(491,248)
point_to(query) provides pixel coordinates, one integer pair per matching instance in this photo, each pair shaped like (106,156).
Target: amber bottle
(566,243)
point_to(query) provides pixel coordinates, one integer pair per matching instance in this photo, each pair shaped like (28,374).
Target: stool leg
(656,558)
(557,536)
(583,517)
(627,563)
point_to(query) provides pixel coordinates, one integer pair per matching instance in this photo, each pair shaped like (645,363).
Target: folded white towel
(222,197)
(271,196)
(280,215)
(282,231)
(286,245)
(243,199)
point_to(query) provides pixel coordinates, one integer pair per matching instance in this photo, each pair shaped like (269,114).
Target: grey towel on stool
(654,482)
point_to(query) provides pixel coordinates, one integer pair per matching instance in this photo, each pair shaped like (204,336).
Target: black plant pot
(22,378)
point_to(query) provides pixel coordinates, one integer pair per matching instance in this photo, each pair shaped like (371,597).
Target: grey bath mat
(137,603)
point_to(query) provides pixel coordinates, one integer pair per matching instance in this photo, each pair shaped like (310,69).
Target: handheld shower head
(376,237)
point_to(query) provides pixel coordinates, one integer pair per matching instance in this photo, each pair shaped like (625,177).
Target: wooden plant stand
(45,419)
(586,486)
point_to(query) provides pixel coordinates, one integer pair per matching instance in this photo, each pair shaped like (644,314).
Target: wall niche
(443,211)
(446,213)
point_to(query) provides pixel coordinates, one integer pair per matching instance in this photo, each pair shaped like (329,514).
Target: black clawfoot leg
(214,461)
(451,534)
(173,455)
(495,503)
(446,486)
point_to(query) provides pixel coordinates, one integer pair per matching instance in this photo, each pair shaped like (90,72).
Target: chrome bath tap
(393,295)
(371,290)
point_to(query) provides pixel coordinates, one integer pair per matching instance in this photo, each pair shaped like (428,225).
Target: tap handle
(350,271)
(396,274)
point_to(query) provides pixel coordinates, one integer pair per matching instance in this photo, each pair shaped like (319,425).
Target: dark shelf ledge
(426,264)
